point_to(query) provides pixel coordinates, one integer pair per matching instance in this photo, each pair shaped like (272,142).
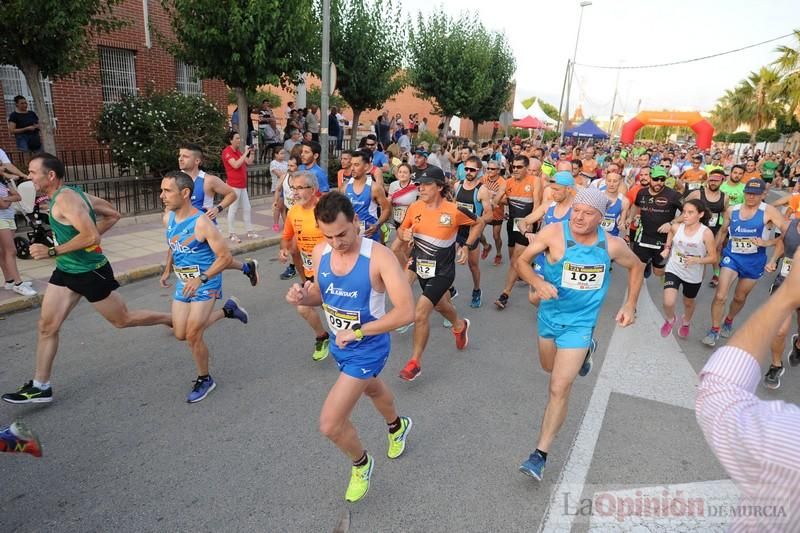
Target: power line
(621,67)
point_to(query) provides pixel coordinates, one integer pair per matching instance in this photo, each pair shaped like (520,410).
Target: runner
(402,193)
(16,438)
(617,211)
(309,157)
(717,202)
(657,206)
(692,178)
(786,246)
(470,195)
(690,245)
(82,271)
(432,222)
(750,170)
(344,173)
(522,193)
(356,274)
(496,185)
(734,186)
(301,233)
(744,256)
(578,257)
(365,197)
(200,254)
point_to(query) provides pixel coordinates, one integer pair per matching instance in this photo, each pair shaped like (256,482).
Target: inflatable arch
(694,120)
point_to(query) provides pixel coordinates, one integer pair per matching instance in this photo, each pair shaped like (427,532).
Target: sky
(632,32)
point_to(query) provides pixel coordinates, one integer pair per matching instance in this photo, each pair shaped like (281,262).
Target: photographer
(235,163)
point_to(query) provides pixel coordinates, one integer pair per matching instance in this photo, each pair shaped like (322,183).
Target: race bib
(399,213)
(608,224)
(582,277)
(185,273)
(743,245)
(682,258)
(308,264)
(426,268)
(694,185)
(468,207)
(362,226)
(340,319)
(518,224)
(786,267)
(713,220)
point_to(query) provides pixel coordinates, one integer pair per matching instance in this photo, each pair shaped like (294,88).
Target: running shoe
(233,309)
(201,389)
(487,249)
(276,228)
(397,440)
(648,269)
(462,337)
(502,301)
(24,290)
(714,281)
(498,260)
(321,349)
(29,394)
(534,466)
(9,286)
(289,273)
(250,269)
(794,353)
(726,330)
(772,379)
(359,481)
(410,371)
(235,238)
(666,327)
(16,438)
(453,292)
(253,235)
(476,298)
(446,323)
(711,338)
(683,331)
(586,367)
(403,329)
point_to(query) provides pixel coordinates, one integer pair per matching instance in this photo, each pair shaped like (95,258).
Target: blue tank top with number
(190,257)
(349,300)
(364,206)
(550,215)
(582,278)
(611,218)
(741,232)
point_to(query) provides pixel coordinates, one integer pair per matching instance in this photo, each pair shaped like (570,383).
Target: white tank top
(684,246)
(288,195)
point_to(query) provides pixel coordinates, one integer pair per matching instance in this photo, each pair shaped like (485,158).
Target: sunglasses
(470,169)
(370,144)
(658,179)
(517,167)
(495,169)
(301,188)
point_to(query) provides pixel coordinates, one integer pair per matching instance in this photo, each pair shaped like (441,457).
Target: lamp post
(572,68)
(326,84)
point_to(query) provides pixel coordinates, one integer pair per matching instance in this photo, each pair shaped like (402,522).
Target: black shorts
(650,255)
(95,285)
(690,290)
(436,287)
(495,223)
(515,237)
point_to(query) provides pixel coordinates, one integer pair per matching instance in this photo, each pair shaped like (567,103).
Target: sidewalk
(136,248)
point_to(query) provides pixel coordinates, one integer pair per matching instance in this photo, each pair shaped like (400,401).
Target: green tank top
(79,261)
(735,193)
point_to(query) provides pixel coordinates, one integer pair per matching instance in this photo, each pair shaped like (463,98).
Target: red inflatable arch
(702,127)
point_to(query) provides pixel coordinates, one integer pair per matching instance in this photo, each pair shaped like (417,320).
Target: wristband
(357,331)
(220,208)
(473,246)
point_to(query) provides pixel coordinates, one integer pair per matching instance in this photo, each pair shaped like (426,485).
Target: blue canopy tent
(587,130)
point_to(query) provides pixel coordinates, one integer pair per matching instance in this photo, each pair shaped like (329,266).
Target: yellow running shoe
(397,440)
(359,481)
(321,349)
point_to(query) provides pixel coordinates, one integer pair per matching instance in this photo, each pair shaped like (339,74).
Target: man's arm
(206,231)
(723,230)
(398,290)
(620,253)
(217,186)
(542,242)
(308,294)
(11,169)
(109,215)
(485,198)
(12,127)
(73,210)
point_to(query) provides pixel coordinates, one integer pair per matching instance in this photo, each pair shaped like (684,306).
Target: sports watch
(52,251)
(357,331)
(203,278)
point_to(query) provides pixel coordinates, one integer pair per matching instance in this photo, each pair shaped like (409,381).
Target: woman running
(402,193)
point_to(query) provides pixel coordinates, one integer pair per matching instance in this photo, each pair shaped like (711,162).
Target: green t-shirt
(768,169)
(79,261)
(735,193)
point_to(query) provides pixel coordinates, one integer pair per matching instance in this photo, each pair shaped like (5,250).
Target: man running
(367,196)
(523,191)
(82,271)
(470,195)
(733,187)
(692,178)
(432,222)
(355,274)
(717,202)
(576,278)
(302,233)
(496,185)
(744,256)
(199,254)
(309,157)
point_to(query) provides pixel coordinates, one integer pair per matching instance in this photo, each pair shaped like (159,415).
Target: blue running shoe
(289,273)
(586,367)
(476,298)
(233,309)
(534,466)
(201,389)
(711,338)
(446,323)
(726,330)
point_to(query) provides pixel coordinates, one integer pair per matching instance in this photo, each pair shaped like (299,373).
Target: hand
(692,260)
(39,251)
(369,231)
(545,291)
(665,253)
(190,287)
(345,336)
(771,266)
(461,255)
(283,256)
(760,242)
(530,236)
(212,213)
(406,234)
(626,316)
(297,294)
(164,279)
(664,228)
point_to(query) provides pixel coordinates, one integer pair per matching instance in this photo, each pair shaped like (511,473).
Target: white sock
(41,386)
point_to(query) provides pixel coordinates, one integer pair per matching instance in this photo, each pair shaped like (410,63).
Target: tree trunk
(474,131)
(31,72)
(244,116)
(354,128)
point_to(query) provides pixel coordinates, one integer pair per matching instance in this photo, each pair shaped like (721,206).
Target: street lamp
(572,67)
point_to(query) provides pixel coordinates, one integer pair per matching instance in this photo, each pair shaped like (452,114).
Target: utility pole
(613,105)
(572,70)
(561,102)
(326,83)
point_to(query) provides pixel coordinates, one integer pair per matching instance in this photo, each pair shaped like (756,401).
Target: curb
(135,274)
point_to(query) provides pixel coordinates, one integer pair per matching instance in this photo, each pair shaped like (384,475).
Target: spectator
(271,138)
(8,250)
(292,123)
(289,111)
(294,139)
(7,168)
(235,125)
(333,129)
(383,129)
(278,168)
(235,163)
(310,159)
(24,126)
(404,142)
(312,123)
(423,126)
(308,136)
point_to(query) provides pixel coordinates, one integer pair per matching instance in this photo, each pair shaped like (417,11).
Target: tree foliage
(549,109)
(787,125)
(50,38)
(314,97)
(768,135)
(368,47)
(740,137)
(254,98)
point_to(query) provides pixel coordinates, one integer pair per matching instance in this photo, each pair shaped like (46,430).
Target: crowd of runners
(560,217)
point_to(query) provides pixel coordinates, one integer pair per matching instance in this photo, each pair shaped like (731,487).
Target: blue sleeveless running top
(364,206)
(610,221)
(189,256)
(741,234)
(550,214)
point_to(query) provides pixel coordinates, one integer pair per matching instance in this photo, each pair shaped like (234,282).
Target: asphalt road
(123,451)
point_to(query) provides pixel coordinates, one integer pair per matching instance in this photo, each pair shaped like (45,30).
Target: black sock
(543,454)
(9,281)
(227,313)
(204,377)
(323,337)
(362,461)
(395,426)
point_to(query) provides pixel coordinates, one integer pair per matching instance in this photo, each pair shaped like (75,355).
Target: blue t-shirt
(322,176)
(379,159)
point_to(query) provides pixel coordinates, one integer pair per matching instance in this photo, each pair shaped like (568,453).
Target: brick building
(128,60)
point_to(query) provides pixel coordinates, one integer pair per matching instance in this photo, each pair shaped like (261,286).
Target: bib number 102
(583,276)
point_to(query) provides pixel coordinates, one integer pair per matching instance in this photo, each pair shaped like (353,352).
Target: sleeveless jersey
(791,240)
(741,234)
(610,221)
(79,261)
(349,300)
(716,208)
(582,278)
(364,206)
(684,246)
(550,215)
(468,199)
(199,200)
(190,257)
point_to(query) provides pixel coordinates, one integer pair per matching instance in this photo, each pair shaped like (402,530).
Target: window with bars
(117,73)
(187,80)
(13,81)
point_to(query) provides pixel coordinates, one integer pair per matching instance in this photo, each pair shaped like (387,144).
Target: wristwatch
(357,331)
(52,251)
(220,208)
(203,278)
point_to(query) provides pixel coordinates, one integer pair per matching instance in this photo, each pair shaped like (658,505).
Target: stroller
(29,209)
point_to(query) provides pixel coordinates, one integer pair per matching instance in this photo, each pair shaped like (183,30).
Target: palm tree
(757,98)
(725,116)
(788,65)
